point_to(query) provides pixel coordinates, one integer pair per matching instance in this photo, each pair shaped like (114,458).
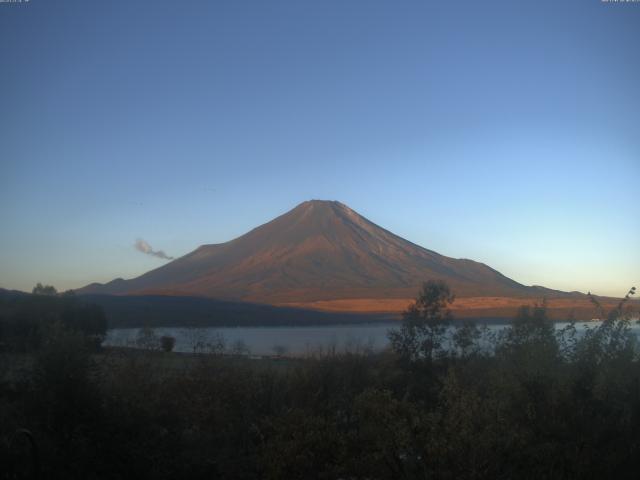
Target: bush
(167,343)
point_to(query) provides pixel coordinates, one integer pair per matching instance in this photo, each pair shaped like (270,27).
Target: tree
(613,338)
(466,337)
(167,343)
(530,341)
(40,289)
(424,323)
(197,338)
(147,339)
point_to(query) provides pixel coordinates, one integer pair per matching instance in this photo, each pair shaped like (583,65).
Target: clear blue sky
(503,131)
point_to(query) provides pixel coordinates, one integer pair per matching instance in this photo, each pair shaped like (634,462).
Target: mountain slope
(320,250)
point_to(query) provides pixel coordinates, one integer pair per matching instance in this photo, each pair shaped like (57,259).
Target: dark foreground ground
(526,412)
(529,401)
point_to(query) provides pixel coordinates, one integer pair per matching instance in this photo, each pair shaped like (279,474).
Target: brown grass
(465,307)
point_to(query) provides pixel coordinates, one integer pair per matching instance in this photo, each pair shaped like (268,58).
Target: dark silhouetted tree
(424,323)
(466,339)
(167,343)
(40,289)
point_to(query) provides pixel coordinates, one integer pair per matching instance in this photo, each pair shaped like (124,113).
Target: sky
(502,131)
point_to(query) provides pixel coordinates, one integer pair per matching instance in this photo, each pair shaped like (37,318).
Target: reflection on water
(286,340)
(268,340)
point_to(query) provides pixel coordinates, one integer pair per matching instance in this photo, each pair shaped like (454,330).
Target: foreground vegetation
(530,402)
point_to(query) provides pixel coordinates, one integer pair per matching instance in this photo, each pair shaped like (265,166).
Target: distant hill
(319,251)
(124,311)
(10,294)
(167,311)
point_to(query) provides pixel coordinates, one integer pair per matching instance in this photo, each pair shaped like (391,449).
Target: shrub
(167,343)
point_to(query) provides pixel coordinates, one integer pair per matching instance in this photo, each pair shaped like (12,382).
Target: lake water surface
(289,340)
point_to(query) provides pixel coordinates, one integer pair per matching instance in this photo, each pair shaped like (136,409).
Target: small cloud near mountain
(324,255)
(144,247)
(319,251)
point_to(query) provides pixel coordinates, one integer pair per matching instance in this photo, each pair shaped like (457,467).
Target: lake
(289,340)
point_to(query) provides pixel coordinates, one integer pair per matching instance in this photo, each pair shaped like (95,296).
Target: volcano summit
(322,254)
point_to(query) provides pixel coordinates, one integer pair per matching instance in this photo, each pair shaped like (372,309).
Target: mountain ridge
(320,250)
